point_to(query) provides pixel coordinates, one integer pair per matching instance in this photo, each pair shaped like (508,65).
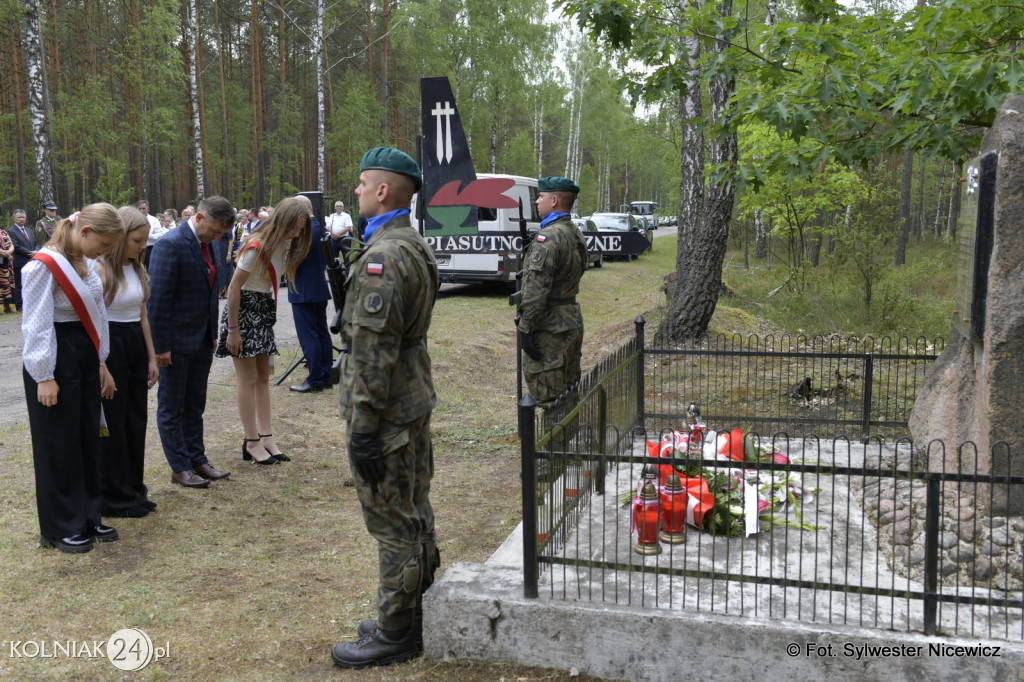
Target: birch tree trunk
(197,130)
(954,201)
(38,102)
(903,219)
(321,127)
(704,214)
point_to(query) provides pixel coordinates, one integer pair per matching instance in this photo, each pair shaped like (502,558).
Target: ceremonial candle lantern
(673,499)
(692,415)
(695,441)
(645,520)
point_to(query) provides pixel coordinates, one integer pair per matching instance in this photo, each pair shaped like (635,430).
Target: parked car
(619,222)
(595,258)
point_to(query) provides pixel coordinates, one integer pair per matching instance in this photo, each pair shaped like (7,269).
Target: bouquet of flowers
(732,500)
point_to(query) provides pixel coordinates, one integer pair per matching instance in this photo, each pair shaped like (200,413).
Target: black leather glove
(530,346)
(367,453)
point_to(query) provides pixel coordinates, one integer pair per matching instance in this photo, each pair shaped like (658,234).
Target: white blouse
(127,303)
(259,275)
(43,304)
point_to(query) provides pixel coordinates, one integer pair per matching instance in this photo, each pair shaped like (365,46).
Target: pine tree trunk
(385,92)
(259,158)
(225,139)
(18,86)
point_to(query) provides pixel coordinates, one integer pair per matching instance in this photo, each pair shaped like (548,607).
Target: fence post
(528,473)
(640,322)
(869,371)
(602,428)
(931,554)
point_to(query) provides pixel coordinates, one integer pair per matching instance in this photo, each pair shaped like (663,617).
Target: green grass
(914,300)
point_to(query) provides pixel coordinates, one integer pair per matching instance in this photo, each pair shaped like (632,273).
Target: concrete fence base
(477,611)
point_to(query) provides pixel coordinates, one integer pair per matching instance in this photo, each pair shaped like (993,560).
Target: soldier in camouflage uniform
(550,321)
(387,395)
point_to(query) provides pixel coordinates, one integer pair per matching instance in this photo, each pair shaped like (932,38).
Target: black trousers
(65,438)
(123,454)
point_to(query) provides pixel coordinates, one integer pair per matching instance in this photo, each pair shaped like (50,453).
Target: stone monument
(975,390)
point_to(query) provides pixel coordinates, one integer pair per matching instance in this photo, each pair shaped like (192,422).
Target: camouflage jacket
(389,298)
(553,266)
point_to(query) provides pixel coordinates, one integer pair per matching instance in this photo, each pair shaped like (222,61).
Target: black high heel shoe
(280,457)
(246,455)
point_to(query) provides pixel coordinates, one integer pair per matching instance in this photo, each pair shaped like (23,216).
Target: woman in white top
(277,247)
(132,363)
(64,376)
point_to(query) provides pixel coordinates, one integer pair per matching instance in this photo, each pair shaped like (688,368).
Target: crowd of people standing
(116,301)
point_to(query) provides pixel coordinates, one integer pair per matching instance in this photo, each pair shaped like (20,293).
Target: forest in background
(534,97)
(800,128)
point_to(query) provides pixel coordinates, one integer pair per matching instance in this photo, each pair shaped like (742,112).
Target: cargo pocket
(545,378)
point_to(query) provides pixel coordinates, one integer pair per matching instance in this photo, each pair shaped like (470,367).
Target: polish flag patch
(374,268)
(541,238)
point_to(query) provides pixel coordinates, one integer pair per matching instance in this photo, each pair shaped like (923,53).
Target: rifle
(517,298)
(525,238)
(337,273)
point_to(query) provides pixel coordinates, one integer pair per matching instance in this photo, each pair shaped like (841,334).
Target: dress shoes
(103,533)
(189,479)
(208,472)
(74,544)
(376,648)
(306,387)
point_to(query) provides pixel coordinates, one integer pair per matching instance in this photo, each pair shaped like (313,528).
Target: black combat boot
(377,648)
(370,624)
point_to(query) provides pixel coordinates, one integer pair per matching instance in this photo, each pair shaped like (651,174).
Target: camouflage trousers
(399,517)
(558,369)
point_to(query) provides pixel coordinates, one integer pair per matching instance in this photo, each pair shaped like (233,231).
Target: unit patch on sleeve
(373,301)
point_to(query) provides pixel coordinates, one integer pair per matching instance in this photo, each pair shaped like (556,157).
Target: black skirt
(256,317)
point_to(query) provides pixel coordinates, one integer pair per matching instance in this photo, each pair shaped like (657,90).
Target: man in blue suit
(309,309)
(182,312)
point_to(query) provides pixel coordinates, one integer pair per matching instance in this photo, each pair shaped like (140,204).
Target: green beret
(389,159)
(557,183)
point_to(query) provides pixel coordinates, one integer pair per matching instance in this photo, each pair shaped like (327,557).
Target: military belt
(562,301)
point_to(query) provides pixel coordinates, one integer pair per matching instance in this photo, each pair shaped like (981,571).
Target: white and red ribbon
(77,292)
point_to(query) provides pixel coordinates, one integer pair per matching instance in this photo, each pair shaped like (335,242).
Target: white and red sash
(271,270)
(75,289)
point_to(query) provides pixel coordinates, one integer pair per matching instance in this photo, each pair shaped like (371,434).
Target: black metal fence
(831,386)
(842,530)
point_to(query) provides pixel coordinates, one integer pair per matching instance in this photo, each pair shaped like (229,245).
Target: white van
(492,251)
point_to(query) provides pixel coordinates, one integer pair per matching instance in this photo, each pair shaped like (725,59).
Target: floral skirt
(256,318)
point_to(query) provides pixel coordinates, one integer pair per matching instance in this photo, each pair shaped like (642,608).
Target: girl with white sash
(66,343)
(132,363)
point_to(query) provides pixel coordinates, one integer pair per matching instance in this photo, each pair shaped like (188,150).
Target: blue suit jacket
(310,280)
(182,305)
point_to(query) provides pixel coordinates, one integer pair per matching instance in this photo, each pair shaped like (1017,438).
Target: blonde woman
(278,246)
(132,363)
(65,376)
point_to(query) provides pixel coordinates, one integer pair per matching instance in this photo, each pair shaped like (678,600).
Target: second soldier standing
(386,397)
(550,320)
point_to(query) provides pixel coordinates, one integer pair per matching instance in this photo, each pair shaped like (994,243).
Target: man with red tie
(182,312)
(25,246)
